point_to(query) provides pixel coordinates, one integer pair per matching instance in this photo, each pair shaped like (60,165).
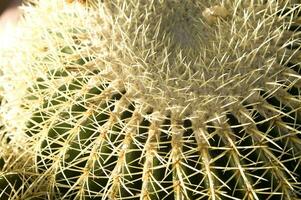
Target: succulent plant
(167,99)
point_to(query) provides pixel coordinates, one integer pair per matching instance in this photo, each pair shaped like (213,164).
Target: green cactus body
(160,100)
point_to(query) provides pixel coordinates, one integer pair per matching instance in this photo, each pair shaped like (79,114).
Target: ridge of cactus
(167,99)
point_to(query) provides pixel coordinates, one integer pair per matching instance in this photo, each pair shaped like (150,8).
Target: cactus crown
(157,100)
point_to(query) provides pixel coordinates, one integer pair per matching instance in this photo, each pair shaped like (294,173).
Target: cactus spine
(132,99)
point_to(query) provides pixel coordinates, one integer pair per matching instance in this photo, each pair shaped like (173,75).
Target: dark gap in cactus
(294,91)
(163,172)
(242,138)
(283,12)
(290,11)
(78,82)
(82,61)
(261,124)
(235,125)
(96,91)
(115,97)
(51,145)
(2,163)
(242,142)
(253,160)
(267,179)
(57,73)
(293,45)
(57,133)
(8,139)
(99,173)
(221,165)
(294,27)
(289,148)
(291,117)
(39,118)
(158,169)
(39,86)
(33,126)
(272,132)
(4,134)
(68,50)
(63,92)
(133,170)
(210,128)
(12,184)
(193,160)
(74,162)
(128,112)
(78,153)
(250,157)
(294,66)
(86,133)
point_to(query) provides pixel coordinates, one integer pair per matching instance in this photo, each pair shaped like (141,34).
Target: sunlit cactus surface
(161,99)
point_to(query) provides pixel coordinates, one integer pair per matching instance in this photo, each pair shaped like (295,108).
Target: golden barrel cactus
(161,99)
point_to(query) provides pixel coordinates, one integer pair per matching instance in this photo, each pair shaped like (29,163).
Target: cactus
(155,100)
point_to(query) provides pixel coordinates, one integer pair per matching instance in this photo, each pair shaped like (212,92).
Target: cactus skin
(157,100)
